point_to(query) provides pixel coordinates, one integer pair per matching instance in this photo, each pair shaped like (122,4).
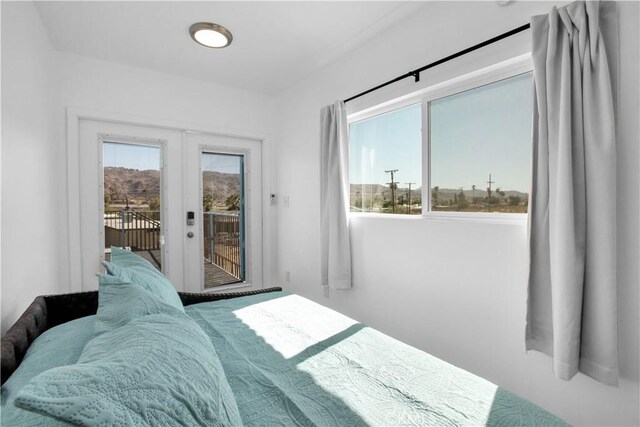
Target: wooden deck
(213,275)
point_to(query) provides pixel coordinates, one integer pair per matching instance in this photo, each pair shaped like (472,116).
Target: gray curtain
(334,198)
(571,308)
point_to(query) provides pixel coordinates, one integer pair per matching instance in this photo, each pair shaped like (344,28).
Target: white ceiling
(275,44)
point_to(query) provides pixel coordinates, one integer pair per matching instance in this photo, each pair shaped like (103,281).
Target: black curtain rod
(416,73)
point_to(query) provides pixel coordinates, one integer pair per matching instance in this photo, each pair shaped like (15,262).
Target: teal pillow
(58,346)
(120,301)
(125,258)
(153,281)
(157,369)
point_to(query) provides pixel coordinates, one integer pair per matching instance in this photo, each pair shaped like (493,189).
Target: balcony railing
(139,230)
(223,242)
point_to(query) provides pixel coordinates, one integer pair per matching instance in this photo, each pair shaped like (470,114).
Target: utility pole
(489,190)
(409,196)
(393,186)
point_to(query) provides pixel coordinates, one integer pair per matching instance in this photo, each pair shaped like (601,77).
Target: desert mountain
(141,186)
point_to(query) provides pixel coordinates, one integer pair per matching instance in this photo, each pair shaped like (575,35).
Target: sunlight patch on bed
(406,386)
(291,324)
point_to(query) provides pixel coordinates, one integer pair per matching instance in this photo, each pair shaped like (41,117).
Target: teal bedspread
(290,361)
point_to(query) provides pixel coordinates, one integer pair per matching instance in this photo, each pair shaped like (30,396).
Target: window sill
(477,217)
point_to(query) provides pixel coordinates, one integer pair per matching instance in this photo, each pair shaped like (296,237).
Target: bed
(280,359)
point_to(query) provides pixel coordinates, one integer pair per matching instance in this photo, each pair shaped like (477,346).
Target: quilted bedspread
(290,361)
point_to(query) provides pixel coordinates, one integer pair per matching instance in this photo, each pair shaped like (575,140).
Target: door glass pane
(223,218)
(132,199)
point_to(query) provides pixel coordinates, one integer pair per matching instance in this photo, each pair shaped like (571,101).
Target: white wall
(30,210)
(454,289)
(38,85)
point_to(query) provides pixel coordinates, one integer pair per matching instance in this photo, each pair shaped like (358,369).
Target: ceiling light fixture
(210,35)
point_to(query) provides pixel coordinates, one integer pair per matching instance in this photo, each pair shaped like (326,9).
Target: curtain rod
(416,73)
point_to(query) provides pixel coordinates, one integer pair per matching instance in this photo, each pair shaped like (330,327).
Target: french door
(188,203)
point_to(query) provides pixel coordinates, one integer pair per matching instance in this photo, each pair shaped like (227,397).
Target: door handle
(190,234)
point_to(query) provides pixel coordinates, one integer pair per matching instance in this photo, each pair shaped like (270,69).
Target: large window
(474,155)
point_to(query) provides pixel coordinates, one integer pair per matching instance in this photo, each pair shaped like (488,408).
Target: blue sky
(131,156)
(226,163)
(146,157)
(473,133)
(386,142)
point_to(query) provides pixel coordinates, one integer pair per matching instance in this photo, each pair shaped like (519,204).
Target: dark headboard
(48,311)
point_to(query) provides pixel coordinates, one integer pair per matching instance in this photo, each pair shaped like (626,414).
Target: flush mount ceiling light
(210,35)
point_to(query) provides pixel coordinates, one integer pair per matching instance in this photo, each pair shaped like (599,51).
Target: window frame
(501,71)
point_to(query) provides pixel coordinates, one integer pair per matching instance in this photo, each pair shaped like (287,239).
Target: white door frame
(73,232)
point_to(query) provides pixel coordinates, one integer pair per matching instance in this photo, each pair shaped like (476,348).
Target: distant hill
(135,185)
(448,193)
(384,192)
(220,185)
(141,186)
